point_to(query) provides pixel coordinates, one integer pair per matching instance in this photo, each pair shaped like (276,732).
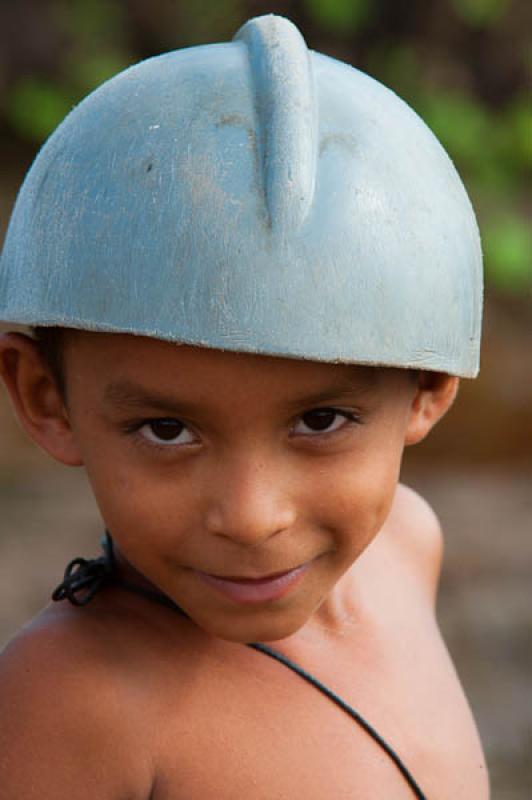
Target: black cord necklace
(83,578)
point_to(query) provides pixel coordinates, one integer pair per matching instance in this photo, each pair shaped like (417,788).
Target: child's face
(209,464)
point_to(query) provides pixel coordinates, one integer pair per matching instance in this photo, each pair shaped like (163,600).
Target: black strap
(268,651)
(83,578)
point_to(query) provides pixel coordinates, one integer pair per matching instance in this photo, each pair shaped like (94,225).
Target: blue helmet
(251,196)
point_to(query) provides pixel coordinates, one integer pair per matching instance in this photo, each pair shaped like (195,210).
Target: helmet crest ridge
(285,102)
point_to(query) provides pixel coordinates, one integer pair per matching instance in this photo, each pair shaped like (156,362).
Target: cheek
(141,500)
(355,495)
(135,497)
(149,518)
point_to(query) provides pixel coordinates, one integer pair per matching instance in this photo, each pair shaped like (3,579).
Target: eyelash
(136,428)
(351,418)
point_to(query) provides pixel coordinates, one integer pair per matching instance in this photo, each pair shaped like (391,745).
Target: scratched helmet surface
(251,196)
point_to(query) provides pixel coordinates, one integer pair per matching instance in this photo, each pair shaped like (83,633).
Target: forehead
(120,362)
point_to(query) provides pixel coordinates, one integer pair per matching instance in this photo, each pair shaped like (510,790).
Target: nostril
(245,528)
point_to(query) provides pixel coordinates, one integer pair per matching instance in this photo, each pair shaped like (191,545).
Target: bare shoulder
(414,532)
(63,722)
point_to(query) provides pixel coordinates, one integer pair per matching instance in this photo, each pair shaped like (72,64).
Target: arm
(415,529)
(61,732)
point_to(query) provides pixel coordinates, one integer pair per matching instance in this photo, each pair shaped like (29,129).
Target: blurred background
(466,67)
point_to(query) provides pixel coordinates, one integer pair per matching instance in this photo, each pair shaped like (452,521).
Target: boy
(254,277)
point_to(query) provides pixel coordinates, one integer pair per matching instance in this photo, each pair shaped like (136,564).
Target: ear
(38,403)
(434,396)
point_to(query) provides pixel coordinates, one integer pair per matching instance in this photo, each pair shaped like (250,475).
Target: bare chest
(253,728)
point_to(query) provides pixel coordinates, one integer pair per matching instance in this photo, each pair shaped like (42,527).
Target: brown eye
(320,419)
(323,420)
(166,432)
(166,429)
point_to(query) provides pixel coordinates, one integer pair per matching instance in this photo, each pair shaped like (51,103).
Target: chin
(263,627)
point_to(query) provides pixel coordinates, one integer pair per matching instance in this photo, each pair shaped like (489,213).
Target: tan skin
(238,466)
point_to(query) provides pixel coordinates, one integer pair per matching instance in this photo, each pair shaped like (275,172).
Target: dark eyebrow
(334,393)
(360,384)
(128,395)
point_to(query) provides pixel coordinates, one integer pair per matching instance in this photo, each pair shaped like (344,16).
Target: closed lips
(255,590)
(262,579)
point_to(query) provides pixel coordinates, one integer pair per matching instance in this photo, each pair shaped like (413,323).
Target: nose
(250,503)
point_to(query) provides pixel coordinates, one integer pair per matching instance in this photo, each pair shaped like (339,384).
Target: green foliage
(35,107)
(95,32)
(87,73)
(340,16)
(519,127)
(205,21)
(461,124)
(91,23)
(508,253)
(94,51)
(481,13)
(493,152)
(397,66)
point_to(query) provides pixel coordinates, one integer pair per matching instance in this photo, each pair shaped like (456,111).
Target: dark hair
(50,344)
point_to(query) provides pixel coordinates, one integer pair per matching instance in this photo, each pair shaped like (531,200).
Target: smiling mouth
(255,590)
